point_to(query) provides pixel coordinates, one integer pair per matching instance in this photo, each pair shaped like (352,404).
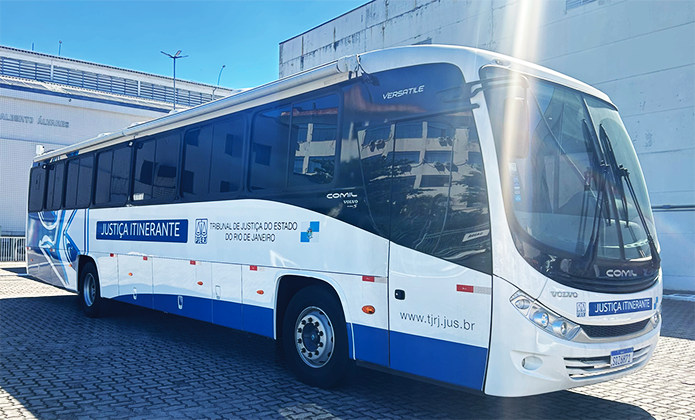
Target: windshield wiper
(621,172)
(591,252)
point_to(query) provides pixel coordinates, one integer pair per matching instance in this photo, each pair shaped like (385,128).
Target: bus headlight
(543,317)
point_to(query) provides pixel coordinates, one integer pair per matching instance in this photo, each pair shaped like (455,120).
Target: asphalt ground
(55,363)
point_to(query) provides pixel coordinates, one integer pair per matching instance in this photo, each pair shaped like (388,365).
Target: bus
(443,213)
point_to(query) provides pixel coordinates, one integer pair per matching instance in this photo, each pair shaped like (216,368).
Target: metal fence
(12,248)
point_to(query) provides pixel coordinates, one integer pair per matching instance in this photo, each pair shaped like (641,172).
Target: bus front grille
(603,331)
(596,367)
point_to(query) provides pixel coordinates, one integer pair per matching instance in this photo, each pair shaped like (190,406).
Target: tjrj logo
(310,232)
(581,309)
(201,231)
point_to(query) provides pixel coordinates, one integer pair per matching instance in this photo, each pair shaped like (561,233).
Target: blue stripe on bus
(191,306)
(227,314)
(371,344)
(258,320)
(455,363)
(144,299)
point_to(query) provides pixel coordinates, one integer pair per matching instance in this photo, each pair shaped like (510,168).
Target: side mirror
(515,132)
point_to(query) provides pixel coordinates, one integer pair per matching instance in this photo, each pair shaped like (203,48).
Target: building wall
(18,139)
(640,52)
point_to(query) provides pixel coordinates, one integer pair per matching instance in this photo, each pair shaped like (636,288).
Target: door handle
(400,294)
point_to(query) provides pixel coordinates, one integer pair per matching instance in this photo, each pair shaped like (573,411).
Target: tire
(315,338)
(89,289)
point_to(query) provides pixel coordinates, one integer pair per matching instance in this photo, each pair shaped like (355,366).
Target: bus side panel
(182,287)
(439,318)
(226,294)
(135,280)
(55,239)
(107,266)
(258,291)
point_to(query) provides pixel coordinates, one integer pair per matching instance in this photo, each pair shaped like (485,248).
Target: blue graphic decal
(310,232)
(144,230)
(619,306)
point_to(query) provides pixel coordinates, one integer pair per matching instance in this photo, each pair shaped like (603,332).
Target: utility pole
(218,81)
(175,57)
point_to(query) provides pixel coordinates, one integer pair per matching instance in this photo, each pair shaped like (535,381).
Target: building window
(573,4)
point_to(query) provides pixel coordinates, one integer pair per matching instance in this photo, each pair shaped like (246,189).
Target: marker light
(368,309)
(543,317)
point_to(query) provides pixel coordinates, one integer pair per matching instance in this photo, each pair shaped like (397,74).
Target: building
(56,101)
(641,53)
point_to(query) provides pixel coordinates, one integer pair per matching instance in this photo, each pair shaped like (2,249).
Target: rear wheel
(89,292)
(315,338)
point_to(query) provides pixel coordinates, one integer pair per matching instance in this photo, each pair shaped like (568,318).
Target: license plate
(621,357)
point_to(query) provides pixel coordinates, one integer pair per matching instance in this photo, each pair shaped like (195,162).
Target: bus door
(439,262)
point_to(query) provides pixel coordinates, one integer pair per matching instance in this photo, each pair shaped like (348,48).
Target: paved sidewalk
(57,364)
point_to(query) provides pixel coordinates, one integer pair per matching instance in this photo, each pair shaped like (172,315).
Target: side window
(166,167)
(439,194)
(120,176)
(156,167)
(78,186)
(227,151)
(54,188)
(113,172)
(103,184)
(85,179)
(313,141)
(195,178)
(37,182)
(269,149)
(144,169)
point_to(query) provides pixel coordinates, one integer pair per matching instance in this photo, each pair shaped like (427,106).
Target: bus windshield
(574,191)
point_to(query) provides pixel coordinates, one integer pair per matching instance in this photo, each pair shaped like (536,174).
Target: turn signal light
(260,292)
(200,283)
(368,309)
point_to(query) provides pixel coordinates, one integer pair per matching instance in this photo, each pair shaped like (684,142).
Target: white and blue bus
(445,213)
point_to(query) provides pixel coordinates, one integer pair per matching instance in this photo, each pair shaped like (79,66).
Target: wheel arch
(289,284)
(82,261)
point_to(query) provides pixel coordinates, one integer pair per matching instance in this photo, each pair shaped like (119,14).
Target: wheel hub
(314,337)
(89,290)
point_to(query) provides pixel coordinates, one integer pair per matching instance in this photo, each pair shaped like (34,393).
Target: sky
(242,35)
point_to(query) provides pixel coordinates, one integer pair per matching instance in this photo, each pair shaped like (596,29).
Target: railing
(12,248)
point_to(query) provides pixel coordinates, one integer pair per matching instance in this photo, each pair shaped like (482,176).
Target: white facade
(55,101)
(641,53)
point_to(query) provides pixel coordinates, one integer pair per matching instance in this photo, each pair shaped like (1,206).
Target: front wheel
(89,292)
(315,338)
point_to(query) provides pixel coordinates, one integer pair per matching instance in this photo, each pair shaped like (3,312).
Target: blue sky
(243,35)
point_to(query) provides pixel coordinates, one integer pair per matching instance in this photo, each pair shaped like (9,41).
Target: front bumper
(524,360)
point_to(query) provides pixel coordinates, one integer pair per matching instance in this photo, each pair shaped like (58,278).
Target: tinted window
(103,185)
(314,137)
(269,149)
(36,188)
(439,194)
(120,176)
(54,188)
(85,179)
(166,167)
(78,186)
(227,150)
(113,172)
(144,169)
(197,145)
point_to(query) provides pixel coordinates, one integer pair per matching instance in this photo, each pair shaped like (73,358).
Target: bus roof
(470,60)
